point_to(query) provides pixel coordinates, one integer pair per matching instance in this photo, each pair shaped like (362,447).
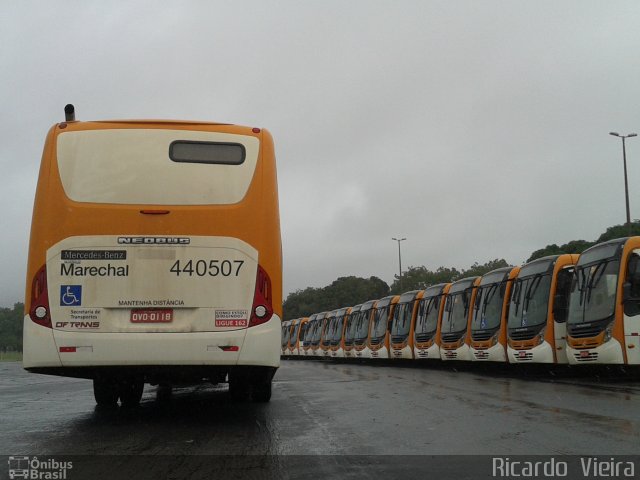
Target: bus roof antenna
(70,113)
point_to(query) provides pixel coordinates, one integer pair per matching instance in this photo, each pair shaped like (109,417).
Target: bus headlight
(494,339)
(608,332)
(541,335)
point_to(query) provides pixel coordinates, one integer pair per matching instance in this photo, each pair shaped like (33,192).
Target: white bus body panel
(431,353)
(560,338)
(461,353)
(496,353)
(402,353)
(339,353)
(542,353)
(382,352)
(632,339)
(39,348)
(350,353)
(609,352)
(134,349)
(364,353)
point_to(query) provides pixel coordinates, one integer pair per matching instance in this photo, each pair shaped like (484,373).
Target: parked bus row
(576,309)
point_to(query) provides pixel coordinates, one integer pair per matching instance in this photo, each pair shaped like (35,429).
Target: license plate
(522,354)
(155,315)
(584,354)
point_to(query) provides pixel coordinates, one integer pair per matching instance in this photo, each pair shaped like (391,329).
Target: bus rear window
(156,166)
(206,152)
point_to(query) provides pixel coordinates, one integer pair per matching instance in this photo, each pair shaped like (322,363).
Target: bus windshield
(362,325)
(530,301)
(350,331)
(427,319)
(487,312)
(402,319)
(456,312)
(380,323)
(294,335)
(317,332)
(336,334)
(286,332)
(593,291)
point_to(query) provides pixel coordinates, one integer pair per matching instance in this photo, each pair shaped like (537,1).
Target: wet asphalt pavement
(324,408)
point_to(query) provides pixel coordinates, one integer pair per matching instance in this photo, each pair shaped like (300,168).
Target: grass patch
(10,356)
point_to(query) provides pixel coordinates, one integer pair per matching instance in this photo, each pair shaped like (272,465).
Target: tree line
(11,320)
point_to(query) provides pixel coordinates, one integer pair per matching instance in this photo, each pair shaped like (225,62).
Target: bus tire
(131,392)
(105,391)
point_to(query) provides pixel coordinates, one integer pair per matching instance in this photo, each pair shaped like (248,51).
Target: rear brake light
(39,311)
(262,308)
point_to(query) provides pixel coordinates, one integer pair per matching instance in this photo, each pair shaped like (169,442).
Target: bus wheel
(131,392)
(262,392)
(239,387)
(105,392)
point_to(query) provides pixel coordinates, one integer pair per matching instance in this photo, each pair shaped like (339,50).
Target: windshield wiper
(531,290)
(489,296)
(516,295)
(596,275)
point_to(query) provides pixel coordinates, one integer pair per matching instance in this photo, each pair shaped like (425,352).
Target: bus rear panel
(155,252)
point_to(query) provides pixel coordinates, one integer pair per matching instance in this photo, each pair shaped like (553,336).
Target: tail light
(262,308)
(39,311)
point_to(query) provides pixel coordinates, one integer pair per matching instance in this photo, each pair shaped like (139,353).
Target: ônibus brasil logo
(33,468)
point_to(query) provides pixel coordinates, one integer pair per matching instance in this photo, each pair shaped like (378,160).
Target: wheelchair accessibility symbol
(70,295)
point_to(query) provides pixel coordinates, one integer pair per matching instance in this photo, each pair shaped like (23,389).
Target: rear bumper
(255,346)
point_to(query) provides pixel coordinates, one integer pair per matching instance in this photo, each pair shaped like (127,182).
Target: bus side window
(561,298)
(631,287)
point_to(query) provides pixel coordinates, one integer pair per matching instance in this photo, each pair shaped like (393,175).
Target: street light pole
(399,259)
(626,183)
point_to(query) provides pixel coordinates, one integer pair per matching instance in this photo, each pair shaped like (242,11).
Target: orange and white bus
(306,335)
(363,328)
(536,328)
(378,341)
(350,329)
(490,312)
(338,332)
(285,335)
(318,329)
(454,338)
(327,334)
(155,255)
(402,324)
(428,322)
(294,340)
(604,310)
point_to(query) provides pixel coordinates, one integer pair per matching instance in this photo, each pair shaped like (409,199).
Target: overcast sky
(475,129)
